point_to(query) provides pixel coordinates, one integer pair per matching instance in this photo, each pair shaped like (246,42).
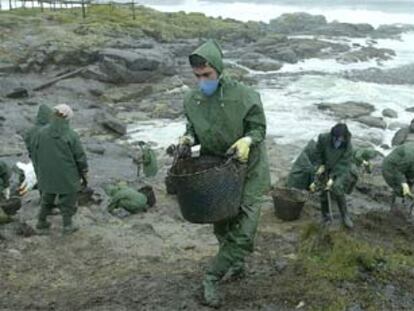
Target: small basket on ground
(209,189)
(288,203)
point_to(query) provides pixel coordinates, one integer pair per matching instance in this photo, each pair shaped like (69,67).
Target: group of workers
(223,116)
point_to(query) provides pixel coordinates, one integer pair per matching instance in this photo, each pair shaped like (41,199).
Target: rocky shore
(118,72)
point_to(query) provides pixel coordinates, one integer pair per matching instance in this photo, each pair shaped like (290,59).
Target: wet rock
(261,64)
(364,54)
(372,121)
(410,109)
(296,22)
(19,92)
(131,92)
(97,149)
(390,113)
(400,75)
(28,103)
(348,109)
(345,30)
(374,136)
(111,123)
(134,66)
(396,125)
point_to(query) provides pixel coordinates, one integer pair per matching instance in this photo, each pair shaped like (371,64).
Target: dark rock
(400,75)
(112,123)
(345,30)
(411,109)
(385,146)
(372,121)
(25,230)
(19,92)
(97,149)
(261,64)
(390,113)
(396,125)
(348,109)
(28,103)
(364,54)
(296,22)
(134,66)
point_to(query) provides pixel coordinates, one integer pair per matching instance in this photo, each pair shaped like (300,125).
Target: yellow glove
(312,187)
(406,190)
(186,140)
(320,170)
(367,166)
(242,147)
(329,184)
(6,193)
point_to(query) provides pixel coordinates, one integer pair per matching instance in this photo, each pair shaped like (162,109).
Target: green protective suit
(126,198)
(60,158)
(43,116)
(216,122)
(61,161)
(303,169)
(398,167)
(5,174)
(149,161)
(338,162)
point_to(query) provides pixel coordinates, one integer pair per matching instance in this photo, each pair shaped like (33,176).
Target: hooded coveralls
(216,122)
(398,167)
(303,169)
(338,165)
(5,174)
(43,116)
(61,161)
(126,198)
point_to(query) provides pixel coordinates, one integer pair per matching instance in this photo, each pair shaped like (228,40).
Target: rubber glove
(406,190)
(367,166)
(321,170)
(186,140)
(312,187)
(6,193)
(329,184)
(242,148)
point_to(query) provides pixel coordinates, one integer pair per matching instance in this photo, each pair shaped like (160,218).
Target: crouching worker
(398,171)
(124,198)
(60,165)
(334,162)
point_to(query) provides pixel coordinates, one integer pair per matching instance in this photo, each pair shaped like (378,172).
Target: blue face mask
(337,142)
(208,87)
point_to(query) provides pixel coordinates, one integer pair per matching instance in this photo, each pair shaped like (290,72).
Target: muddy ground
(155,261)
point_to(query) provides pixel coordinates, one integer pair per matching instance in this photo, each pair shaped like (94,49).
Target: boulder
(296,22)
(19,92)
(261,64)
(396,125)
(390,113)
(111,123)
(345,30)
(364,54)
(371,121)
(348,109)
(399,75)
(134,66)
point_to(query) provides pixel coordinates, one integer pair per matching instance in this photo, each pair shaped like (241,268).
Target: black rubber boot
(343,209)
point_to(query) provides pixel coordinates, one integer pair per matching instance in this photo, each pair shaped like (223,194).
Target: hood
(212,53)
(58,126)
(43,115)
